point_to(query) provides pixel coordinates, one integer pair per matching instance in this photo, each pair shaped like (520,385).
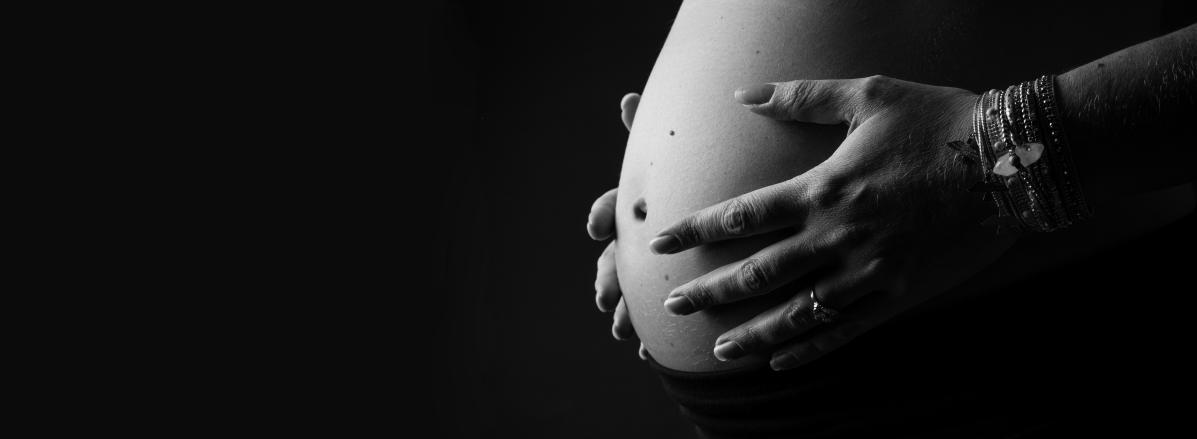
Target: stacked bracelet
(1025,159)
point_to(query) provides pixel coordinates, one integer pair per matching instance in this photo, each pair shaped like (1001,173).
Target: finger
(627,109)
(621,326)
(606,282)
(760,211)
(643,352)
(600,224)
(795,317)
(761,273)
(867,313)
(824,101)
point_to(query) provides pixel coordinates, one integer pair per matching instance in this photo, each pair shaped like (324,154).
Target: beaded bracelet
(1029,131)
(1025,159)
(1075,205)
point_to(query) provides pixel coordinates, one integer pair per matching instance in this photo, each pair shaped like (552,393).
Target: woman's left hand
(885,223)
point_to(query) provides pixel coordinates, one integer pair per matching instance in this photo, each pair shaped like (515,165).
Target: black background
(525,134)
(530,133)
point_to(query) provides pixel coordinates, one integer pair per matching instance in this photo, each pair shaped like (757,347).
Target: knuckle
(844,234)
(874,88)
(862,194)
(824,193)
(739,215)
(753,275)
(796,316)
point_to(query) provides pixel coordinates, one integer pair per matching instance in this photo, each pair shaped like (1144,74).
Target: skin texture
(854,216)
(1128,104)
(878,170)
(880,227)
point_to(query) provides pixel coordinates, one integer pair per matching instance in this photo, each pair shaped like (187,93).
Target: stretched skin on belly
(692,146)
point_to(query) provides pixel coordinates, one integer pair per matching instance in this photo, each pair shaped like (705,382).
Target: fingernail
(784,361)
(680,305)
(664,244)
(728,350)
(755,95)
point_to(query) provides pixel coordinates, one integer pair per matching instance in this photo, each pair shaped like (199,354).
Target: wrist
(1025,158)
(1085,139)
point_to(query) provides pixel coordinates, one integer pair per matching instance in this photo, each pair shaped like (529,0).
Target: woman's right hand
(601,225)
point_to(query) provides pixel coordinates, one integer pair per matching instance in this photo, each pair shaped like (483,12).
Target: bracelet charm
(1025,159)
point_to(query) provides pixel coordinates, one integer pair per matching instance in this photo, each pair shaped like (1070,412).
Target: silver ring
(821,312)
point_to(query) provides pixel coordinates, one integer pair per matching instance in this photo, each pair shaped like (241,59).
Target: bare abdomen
(692,145)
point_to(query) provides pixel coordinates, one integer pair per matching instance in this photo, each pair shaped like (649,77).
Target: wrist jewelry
(1025,158)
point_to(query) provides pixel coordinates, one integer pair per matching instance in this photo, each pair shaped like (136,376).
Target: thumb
(823,101)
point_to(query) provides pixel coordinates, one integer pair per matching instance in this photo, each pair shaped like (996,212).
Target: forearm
(1131,116)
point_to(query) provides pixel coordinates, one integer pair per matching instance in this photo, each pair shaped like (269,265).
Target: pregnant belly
(692,146)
